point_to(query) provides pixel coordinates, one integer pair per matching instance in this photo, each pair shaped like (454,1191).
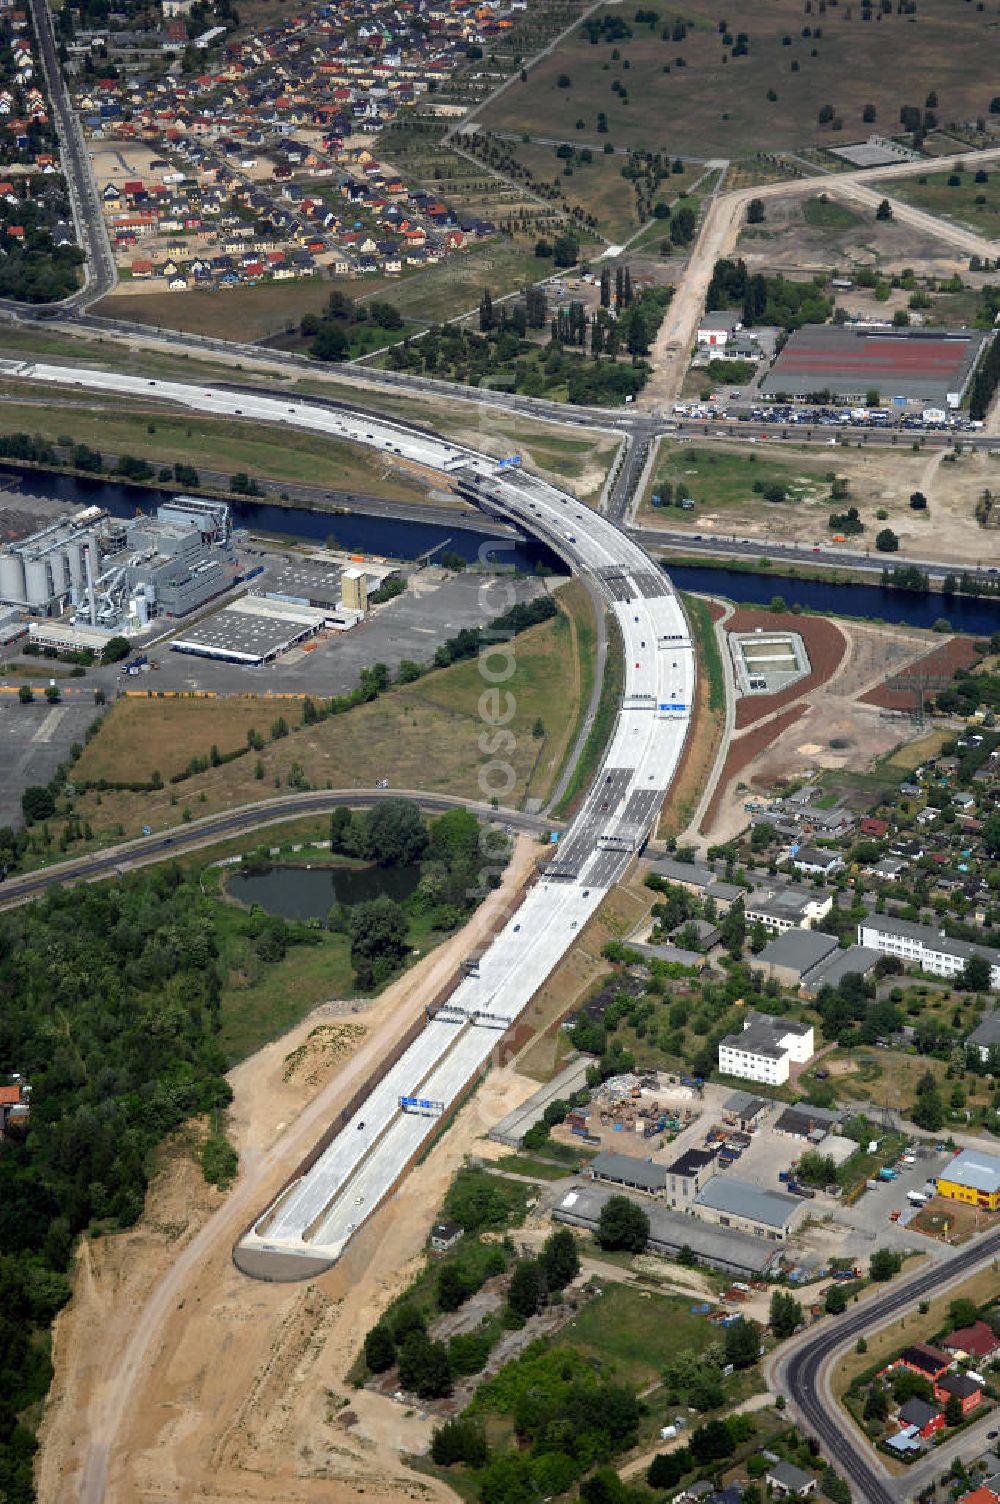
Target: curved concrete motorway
(802,1374)
(182,839)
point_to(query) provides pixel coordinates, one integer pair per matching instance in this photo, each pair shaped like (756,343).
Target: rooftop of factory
(250,630)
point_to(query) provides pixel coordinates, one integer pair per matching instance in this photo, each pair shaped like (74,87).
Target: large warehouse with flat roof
(923,367)
(250,631)
(670,1231)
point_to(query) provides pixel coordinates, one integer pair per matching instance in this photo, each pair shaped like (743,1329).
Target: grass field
(129,360)
(570,454)
(438,293)
(260,1004)
(424,735)
(888,1078)
(716,103)
(911,1327)
(597,186)
(226,444)
(603,723)
(141,736)
(257,312)
(636,1330)
(913,754)
(824,213)
(957,201)
(720,478)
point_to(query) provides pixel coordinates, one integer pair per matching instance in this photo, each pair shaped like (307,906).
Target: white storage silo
(12,579)
(38,582)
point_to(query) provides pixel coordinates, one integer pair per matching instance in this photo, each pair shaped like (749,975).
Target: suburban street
(801,1371)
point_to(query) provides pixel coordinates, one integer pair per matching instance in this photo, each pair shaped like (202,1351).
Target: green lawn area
(538,1169)
(437,293)
(551,673)
(270,452)
(826,214)
(718,478)
(957,201)
(636,1330)
(255,1011)
(604,718)
(259,1003)
(68,349)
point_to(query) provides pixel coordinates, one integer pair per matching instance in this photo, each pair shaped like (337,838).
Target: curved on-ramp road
(802,1374)
(181,839)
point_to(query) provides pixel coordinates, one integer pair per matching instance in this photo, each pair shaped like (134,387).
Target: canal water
(976,615)
(354,531)
(406,540)
(310,892)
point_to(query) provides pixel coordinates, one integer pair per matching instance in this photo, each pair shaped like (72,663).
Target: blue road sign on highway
(147,830)
(672,705)
(512,462)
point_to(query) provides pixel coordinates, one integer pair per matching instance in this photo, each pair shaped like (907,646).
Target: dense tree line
(459,862)
(767,300)
(111,1012)
(332,331)
(986,380)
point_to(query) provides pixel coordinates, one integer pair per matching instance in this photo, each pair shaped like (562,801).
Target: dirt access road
(180,1379)
(720,230)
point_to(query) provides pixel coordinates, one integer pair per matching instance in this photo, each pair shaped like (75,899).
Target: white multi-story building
(924,946)
(766,1048)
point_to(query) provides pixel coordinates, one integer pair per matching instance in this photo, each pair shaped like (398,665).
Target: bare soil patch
(932,669)
(832,728)
(805,235)
(825,644)
(208,1386)
(742,752)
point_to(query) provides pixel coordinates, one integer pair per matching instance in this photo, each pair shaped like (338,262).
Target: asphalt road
(802,1375)
(101,275)
(713,545)
(182,839)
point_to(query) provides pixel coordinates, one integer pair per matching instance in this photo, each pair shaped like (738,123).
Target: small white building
(715,330)
(816,861)
(766,1048)
(785,908)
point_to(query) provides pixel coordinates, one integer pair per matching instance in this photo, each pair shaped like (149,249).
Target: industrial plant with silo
(116,576)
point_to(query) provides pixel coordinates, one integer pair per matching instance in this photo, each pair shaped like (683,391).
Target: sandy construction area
(879,479)
(177,1378)
(834,712)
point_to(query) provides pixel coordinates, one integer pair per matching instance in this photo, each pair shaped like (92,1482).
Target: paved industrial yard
(437,605)
(34,740)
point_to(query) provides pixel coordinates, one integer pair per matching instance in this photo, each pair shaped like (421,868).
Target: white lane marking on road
(47,729)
